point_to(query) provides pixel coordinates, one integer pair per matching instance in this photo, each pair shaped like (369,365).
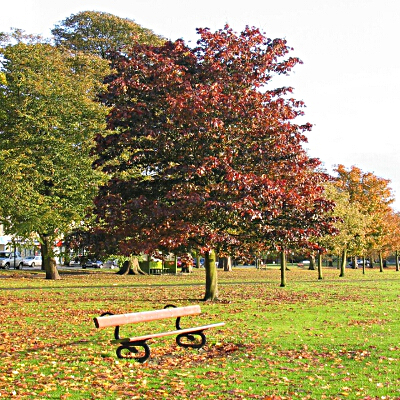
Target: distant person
(186,263)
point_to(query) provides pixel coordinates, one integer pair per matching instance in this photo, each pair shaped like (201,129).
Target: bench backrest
(144,316)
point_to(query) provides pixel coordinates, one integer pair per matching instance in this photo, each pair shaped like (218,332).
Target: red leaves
(200,154)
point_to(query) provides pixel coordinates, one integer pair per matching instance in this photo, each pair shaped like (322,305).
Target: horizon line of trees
(158,146)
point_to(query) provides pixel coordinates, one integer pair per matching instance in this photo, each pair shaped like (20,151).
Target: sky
(349,79)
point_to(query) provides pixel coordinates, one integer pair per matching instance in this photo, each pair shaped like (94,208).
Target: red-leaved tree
(204,152)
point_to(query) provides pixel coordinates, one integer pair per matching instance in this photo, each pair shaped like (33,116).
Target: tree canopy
(373,197)
(204,151)
(99,32)
(49,120)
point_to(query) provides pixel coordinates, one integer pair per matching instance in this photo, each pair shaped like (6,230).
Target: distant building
(5,240)
(27,248)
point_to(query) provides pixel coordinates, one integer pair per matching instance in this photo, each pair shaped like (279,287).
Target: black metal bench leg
(192,340)
(132,348)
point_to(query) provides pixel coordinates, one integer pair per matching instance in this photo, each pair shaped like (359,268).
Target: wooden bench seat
(185,337)
(169,333)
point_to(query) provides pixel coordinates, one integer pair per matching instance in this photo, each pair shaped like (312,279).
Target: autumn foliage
(204,151)
(369,197)
(312,338)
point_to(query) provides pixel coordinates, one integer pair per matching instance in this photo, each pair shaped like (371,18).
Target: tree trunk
(380,262)
(355,263)
(198,264)
(363,264)
(371,262)
(319,266)
(225,263)
(211,277)
(397,261)
(48,261)
(343,263)
(131,267)
(283,268)
(312,263)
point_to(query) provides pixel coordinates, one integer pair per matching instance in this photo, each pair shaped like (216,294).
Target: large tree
(204,151)
(49,118)
(99,32)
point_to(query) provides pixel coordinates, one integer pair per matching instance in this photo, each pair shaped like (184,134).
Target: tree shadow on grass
(45,348)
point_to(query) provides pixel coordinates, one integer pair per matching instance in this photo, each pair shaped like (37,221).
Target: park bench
(185,337)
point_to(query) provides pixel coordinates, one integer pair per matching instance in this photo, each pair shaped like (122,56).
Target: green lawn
(332,339)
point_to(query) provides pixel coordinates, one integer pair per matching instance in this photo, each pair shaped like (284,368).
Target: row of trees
(168,147)
(367,226)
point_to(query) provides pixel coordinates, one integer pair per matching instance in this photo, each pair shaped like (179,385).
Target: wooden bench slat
(144,316)
(161,334)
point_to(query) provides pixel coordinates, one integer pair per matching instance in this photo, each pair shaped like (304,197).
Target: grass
(330,339)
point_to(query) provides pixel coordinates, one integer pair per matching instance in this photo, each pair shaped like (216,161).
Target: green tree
(393,239)
(99,32)
(49,120)
(350,224)
(372,196)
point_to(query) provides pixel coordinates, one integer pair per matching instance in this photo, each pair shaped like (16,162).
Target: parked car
(75,263)
(111,264)
(359,264)
(201,262)
(31,261)
(10,259)
(302,263)
(93,264)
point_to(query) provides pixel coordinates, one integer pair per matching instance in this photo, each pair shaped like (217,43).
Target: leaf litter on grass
(308,340)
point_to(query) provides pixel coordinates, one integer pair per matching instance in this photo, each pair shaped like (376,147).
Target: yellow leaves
(371,197)
(3,79)
(184,374)
(345,391)
(243,361)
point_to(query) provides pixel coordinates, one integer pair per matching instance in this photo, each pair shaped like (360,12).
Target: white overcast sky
(350,79)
